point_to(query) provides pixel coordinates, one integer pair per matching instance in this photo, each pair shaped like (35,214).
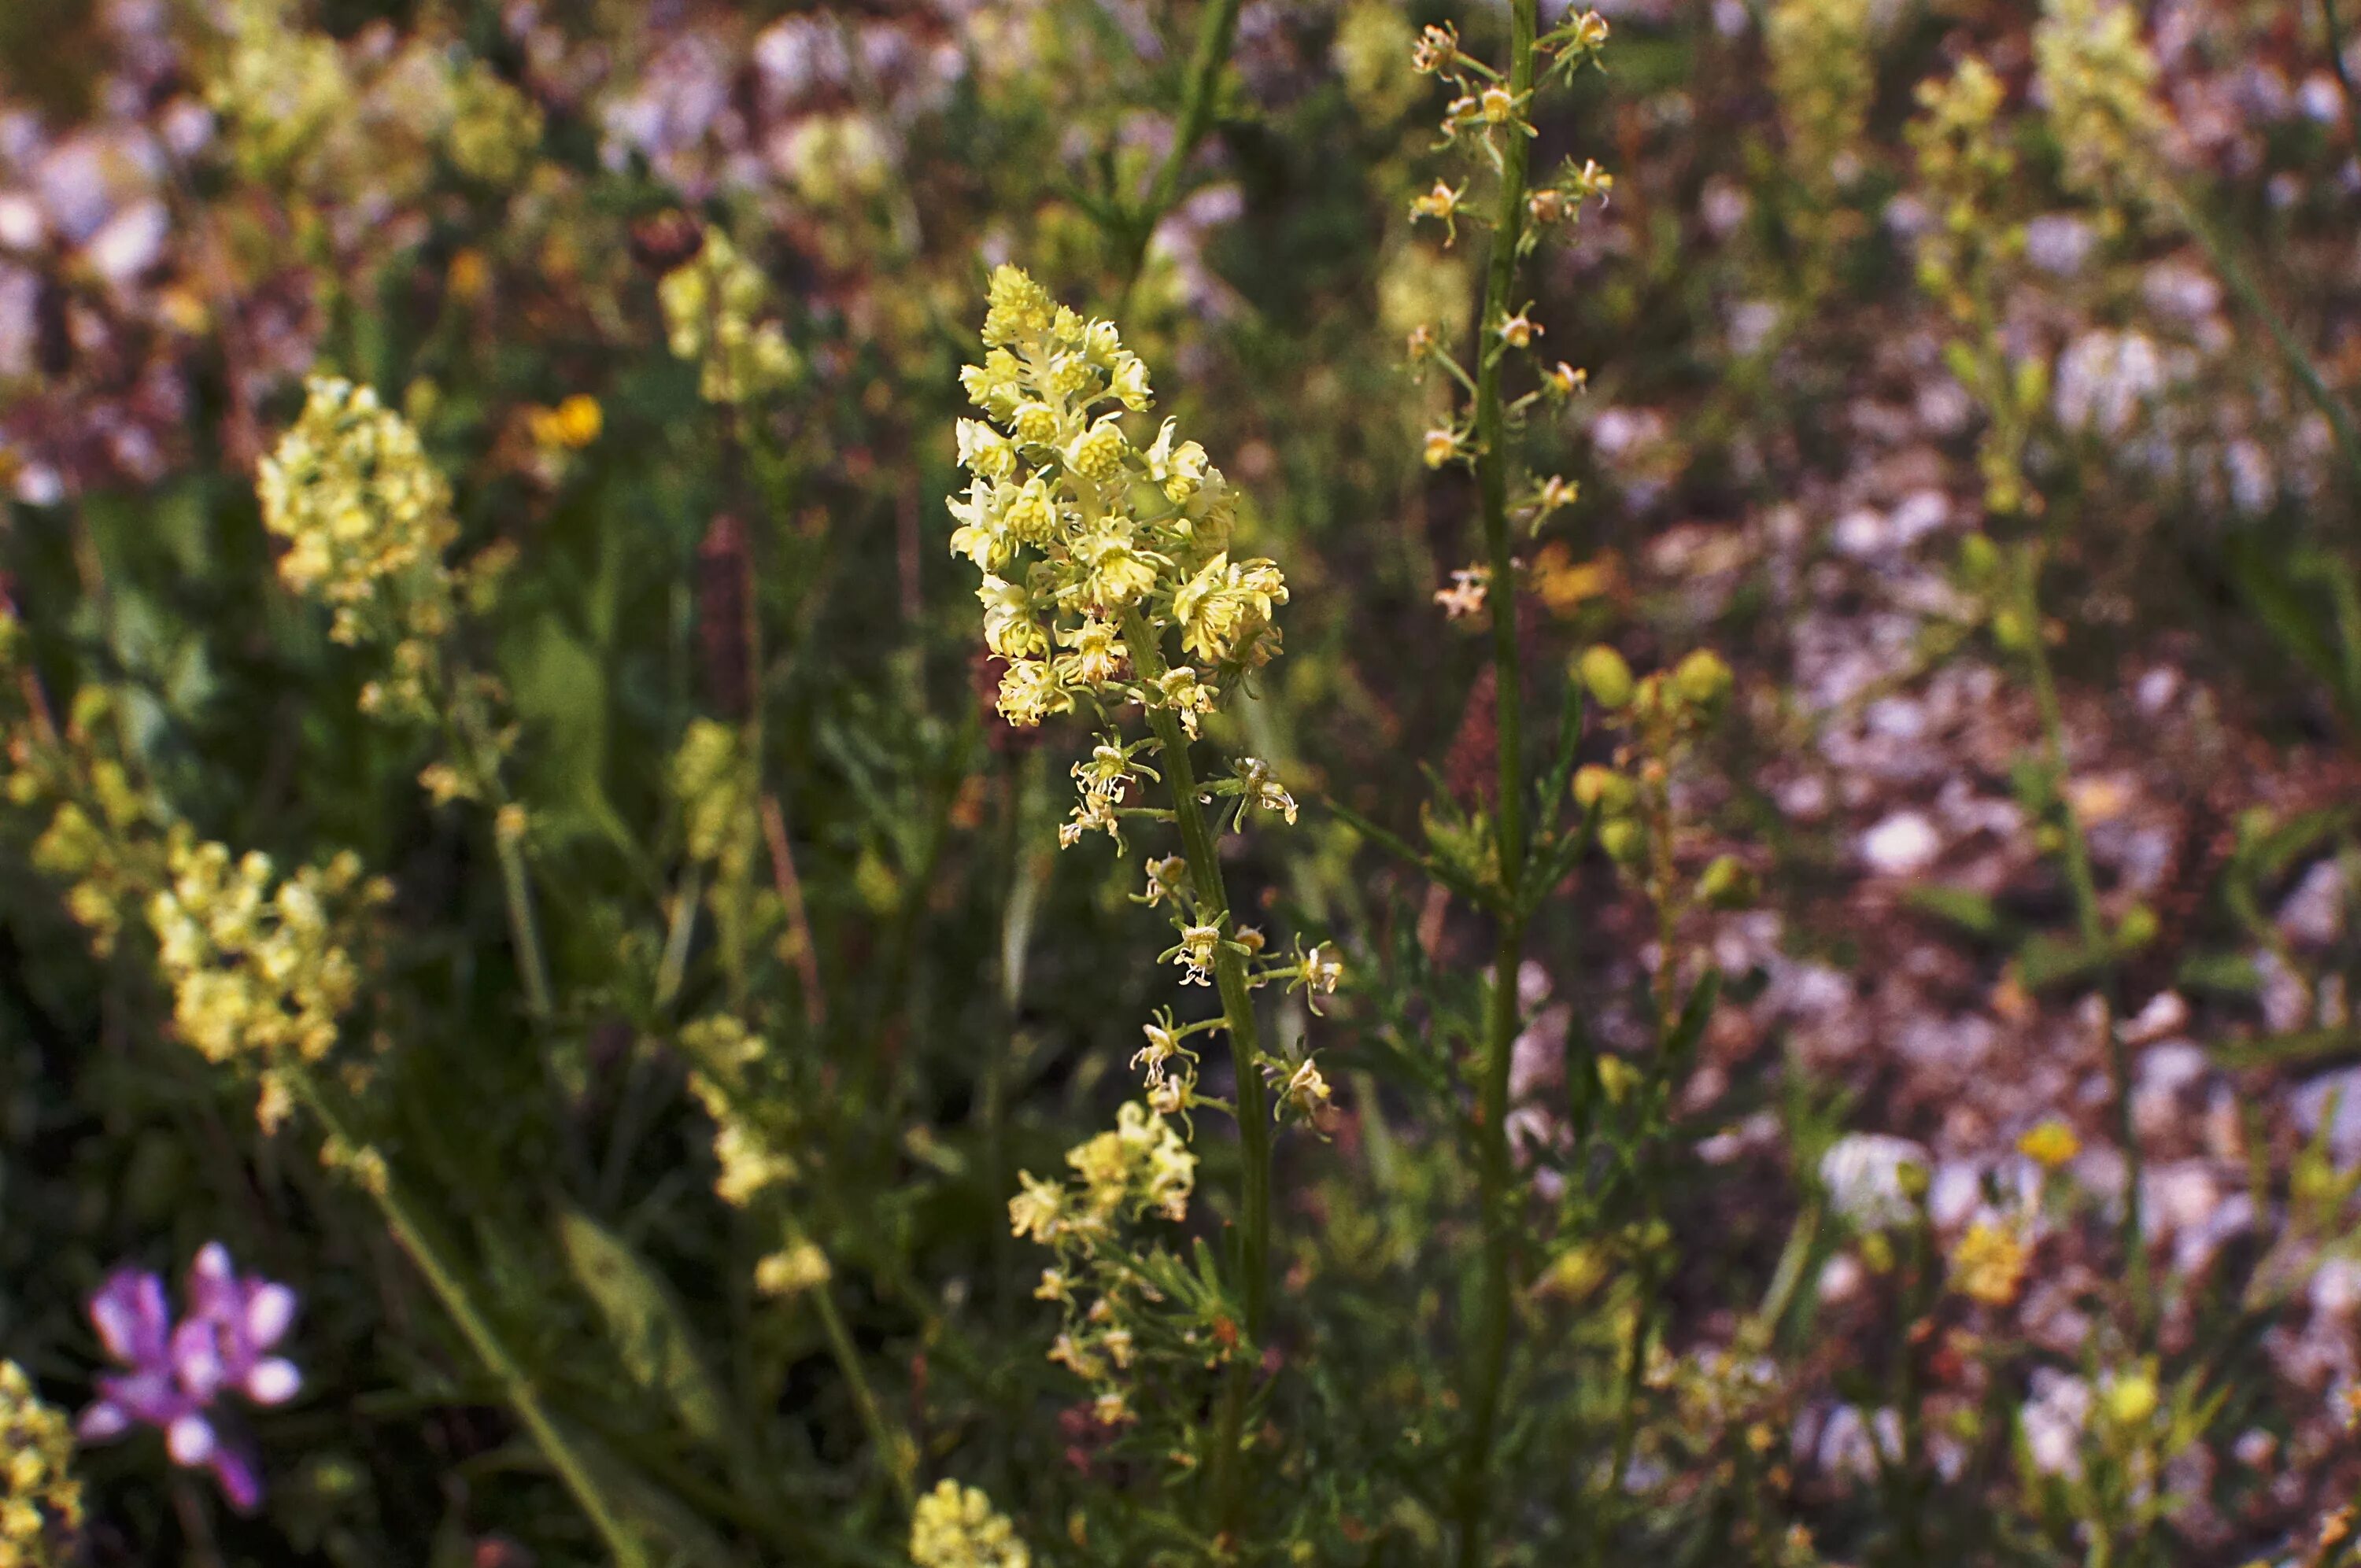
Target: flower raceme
(351,491)
(1079,531)
(260,967)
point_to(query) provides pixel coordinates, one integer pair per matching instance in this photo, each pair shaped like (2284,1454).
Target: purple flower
(175,1372)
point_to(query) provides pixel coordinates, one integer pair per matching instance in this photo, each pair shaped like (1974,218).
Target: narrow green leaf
(2230,972)
(2045,960)
(645,1323)
(1970,911)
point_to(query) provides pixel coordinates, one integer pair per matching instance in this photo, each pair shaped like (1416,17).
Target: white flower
(1863,1173)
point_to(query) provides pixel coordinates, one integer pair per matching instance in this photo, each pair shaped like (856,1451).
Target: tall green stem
(2091,928)
(517,1383)
(1494,1174)
(1198,848)
(893,1447)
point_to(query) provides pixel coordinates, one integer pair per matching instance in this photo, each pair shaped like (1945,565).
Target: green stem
(893,1447)
(1494,1174)
(517,1383)
(1198,848)
(1215,32)
(2091,928)
(2218,249)
(516,883)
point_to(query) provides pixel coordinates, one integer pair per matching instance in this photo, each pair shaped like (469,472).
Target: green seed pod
(1702,679)
(2137,928)
(1624,839)
(1727,884)
(1607,677)
(2012,631)
(1603,787)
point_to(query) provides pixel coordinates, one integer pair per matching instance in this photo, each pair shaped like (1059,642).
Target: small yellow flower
(1520,330)
(1442,203)
(792,1270)
(468,277)
(1200,945)
(571,426)
(2132,1398)
(2049,1146)
(1440,446)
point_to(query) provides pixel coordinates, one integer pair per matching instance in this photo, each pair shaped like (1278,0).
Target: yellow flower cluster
(40,1502)
(494,128)
(2100,79)
(366,520)
(1081,533)
(344,125)
(1825,77)
(713,310)
(957,1527)
(259,966)
(1988,1264)
(1967,166)
(91,842)
(750,1149)
(714,783)
(1139,1165)
(1968,169)
(280,87)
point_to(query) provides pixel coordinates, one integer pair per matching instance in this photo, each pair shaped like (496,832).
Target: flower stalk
(523,1394)
(1252,1109)
(1495,1178)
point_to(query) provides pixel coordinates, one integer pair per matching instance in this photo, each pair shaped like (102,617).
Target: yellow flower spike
(957,1527)
(1076,527)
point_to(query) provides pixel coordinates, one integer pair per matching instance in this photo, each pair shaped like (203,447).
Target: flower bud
(1624,839)
(1702,679)
(1607,677)
(1603,787)
(1727,884)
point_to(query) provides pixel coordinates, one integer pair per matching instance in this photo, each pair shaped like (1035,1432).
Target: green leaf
(560,692)
(2045,960)
(2306,631)
(2230,972)
(1693,1017)
(2290,842)
(2298,1047)
(1970,911)
(645,1323)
